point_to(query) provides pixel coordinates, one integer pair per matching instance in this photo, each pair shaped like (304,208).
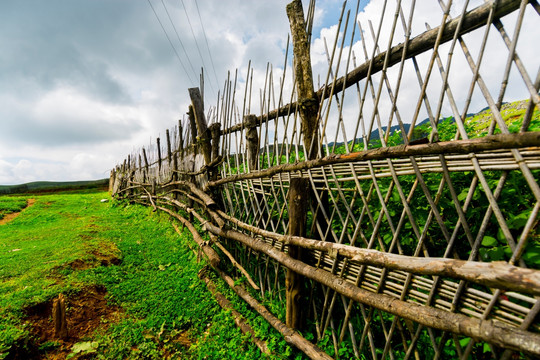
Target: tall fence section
(389,235)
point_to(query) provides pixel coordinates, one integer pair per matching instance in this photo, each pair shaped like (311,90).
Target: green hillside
(53,186)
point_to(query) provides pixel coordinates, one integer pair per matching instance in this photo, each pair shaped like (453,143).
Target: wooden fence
(394,238)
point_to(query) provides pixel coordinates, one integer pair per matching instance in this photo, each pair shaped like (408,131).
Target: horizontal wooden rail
(484,330)
(487,143)
(497,274)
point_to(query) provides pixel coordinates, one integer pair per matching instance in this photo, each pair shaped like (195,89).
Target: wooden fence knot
(250,121)
(309,103)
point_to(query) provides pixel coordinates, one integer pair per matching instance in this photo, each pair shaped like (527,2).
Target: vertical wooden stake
(180,139)
(298,205)
(112,179)
(169,152)
(215,131)
(309,103)
(175,159)
(146,176)
(193,127)
(252,141)
(200,120)
(307,98)
(159,153)
(59,317)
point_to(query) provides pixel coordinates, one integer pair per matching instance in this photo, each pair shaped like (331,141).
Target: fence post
(195,148)
(307,98)
(169,152)
(200,120)
(159,156)
(294,283)
(299,198)
(252,140)
(252,145)
(112,179)
(309,105)
(146,175)
(215,131)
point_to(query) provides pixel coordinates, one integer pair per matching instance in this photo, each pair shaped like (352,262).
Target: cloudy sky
(85,82)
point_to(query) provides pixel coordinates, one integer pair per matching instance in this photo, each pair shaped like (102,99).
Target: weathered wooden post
(193,127)
(169,151)
(294,283)
(299,198)
(307,98)
(252,141)
(112,179)
(200,121)
(145,176)
(180,140)
(195,148)
(159,155)
(252,147)
(215,132)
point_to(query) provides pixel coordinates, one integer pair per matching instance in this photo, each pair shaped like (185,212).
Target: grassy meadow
(131,284)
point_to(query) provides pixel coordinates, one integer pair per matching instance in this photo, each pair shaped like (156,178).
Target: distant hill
(53,186)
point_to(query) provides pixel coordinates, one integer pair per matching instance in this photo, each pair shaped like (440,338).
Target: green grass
(9,205)
(156,283)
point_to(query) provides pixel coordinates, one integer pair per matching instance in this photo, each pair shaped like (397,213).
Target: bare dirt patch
(107,255)
(86,311)
(10,217)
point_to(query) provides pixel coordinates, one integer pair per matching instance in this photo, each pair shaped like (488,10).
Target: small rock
(104,200)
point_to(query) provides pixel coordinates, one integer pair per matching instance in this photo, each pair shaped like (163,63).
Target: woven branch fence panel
(396,237)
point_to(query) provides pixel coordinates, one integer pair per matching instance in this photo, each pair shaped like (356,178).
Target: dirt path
(10,217)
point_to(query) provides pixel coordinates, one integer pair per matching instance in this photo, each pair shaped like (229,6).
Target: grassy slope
(156,283)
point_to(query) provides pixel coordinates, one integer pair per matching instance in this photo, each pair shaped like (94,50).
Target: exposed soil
(107,255)
(85,312)
(10,217)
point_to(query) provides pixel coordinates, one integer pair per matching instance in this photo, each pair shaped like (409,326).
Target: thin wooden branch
(211,255)
(484,330)
(181,234)
(492,142)
(291,336)
(208,201)
(213,214)
(218,160)
(237,265)
(238,318)
(149,198)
